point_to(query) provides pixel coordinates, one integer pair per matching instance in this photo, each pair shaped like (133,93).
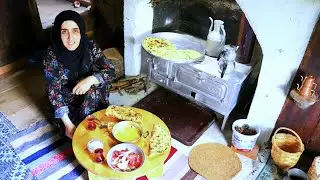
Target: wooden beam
(19,64)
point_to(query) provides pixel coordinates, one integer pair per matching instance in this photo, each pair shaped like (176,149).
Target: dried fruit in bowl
(246,130)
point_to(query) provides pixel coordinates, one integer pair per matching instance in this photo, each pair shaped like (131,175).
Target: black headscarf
(76,61)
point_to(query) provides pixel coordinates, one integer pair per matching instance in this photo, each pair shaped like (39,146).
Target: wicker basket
(286,148)
(312,173)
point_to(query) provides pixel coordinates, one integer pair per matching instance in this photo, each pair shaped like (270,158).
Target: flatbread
(157,46)
(165,49)
(160,140)
(124,113)
(214,161)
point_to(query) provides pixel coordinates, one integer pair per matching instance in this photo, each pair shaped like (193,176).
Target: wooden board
(82,136)
(186,120)
(250,154)
(13,66)
(22,98)
(305,121)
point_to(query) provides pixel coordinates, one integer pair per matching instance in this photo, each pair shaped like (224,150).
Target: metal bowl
(181,41)
(132,148)
(120,128)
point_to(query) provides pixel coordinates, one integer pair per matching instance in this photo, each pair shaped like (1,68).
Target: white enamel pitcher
(216,38)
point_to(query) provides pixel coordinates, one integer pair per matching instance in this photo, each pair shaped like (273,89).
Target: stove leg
(224,121)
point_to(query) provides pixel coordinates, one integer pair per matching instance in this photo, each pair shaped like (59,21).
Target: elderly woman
(77,74)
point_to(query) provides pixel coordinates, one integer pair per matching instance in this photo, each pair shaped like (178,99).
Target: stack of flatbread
(214,161)
(160,140)
(165,49)
(124,113)
(158,46)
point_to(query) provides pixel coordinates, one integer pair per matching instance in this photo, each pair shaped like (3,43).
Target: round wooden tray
(82,136)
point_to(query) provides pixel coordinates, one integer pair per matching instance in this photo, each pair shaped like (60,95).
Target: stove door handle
(150,60)
(200,76)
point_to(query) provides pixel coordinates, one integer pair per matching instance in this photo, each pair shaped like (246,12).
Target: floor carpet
(186,120)
(11,166)
(48,154)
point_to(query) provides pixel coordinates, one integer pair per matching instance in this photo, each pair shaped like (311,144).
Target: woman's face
(70,35)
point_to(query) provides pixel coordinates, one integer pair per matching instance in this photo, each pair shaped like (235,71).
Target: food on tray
(110,126)
(245,130)
(94,144)
(125,160)
(124,113)
(165,49)
(127,131)
(160,140)
(157,45)
(214,161)
(98,155)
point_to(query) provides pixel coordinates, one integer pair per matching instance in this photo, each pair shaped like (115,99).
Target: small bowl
(124,131)
(94,144)
(131,148)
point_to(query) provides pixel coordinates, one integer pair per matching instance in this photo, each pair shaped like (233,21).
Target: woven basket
(286,148)
(312,173)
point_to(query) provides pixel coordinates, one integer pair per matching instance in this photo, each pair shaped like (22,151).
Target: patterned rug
(11,166)
(47,153)
(269,171)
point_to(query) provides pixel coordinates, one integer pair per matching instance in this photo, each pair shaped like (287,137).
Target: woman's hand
(84,85)
(69,126)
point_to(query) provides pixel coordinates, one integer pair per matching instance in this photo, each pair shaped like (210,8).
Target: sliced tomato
(132,157)
(115,154)
(124,150)
(139,161)
(135,160)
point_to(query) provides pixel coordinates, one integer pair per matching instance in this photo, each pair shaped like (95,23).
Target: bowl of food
(125,157)
(94,144)
(127,131)
(244,134)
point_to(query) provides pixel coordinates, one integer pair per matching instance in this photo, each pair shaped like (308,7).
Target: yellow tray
(82,136)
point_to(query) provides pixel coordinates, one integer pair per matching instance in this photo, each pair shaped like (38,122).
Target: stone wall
(143,17)
(192,17)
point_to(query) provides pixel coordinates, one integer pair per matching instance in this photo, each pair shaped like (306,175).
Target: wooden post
(246,40)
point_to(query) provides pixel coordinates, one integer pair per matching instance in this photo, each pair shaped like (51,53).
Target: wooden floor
(22,97)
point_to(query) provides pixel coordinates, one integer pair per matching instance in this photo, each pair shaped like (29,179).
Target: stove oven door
(207,84)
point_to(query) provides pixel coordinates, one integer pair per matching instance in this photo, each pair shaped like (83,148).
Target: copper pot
(307,87)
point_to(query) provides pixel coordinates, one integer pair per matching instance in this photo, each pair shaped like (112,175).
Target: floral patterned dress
(59,88)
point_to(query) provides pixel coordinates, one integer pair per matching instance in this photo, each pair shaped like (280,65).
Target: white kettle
(216,38)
